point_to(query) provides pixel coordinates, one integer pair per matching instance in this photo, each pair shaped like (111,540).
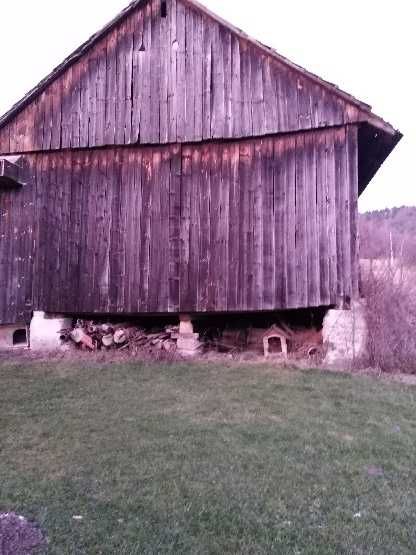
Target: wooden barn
(174,165)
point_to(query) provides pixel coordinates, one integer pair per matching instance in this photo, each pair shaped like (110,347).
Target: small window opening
(164,9)
(19,338)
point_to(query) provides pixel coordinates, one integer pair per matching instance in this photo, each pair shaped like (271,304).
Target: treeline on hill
(389,233)
(388,285)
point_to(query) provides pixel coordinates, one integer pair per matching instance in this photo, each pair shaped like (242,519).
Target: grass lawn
(208,459)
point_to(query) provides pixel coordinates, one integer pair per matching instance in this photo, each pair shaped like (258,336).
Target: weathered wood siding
(247,225)
(180,78)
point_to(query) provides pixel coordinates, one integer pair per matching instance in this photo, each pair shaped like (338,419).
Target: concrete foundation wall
(345,336)
(45,329)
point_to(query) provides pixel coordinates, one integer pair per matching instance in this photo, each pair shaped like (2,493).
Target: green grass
(208,459)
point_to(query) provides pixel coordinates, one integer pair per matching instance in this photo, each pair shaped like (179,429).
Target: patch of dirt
(18,536)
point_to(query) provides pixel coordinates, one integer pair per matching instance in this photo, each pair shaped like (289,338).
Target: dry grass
(389,290)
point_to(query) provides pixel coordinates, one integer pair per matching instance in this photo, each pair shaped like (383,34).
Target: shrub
(389,290)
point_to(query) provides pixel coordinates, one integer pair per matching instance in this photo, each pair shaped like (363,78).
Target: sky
(366,47)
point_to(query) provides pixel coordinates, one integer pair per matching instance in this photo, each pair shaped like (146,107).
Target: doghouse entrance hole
(20,338)
(275,345)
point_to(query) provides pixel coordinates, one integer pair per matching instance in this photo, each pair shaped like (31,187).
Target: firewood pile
(92,336)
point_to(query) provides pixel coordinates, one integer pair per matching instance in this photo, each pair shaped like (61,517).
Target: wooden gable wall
(183,78)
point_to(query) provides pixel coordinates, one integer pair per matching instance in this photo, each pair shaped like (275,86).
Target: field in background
(208,459)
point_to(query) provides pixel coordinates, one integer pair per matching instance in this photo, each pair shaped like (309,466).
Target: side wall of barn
(251,225)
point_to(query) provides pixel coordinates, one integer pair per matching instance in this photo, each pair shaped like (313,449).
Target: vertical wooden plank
(175,228)
(56,135)
(236,89)
(323,210)
(279,208)
(340,178)
(145,227)
(258,223)
(165,48)
(257,91)
(195,231)
(121,81)
(190,106)
(332,216)
(84,102)
(311,220)
(181,72)
(234,228)
(268,217)
(271,121)
(155,73)
(246,90)
(156,248)
(103,230)
(304,103)
(347,213)
(138,85)
(218,85)
(228,81)
(205,230)
(66,108)
(172,77)
(225,160)
(146,131)
(352,138)
(187,191)
(301,224)
(245,246)
(208,79)
(111,90)
(165,177)
(214,262)
(136,223)
(101,86)
(47,95)
(198,75)
(128,60)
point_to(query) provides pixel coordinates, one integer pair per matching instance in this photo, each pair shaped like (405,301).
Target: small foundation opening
(164,9)
(20,338)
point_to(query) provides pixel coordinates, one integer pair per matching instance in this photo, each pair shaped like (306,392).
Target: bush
(389,290)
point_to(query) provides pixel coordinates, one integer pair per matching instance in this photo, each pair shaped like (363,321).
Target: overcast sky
(366,47)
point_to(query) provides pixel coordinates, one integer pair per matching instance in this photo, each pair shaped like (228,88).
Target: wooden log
(108,340)
(79,337)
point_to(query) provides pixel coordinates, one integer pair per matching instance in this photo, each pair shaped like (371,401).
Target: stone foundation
(13,337)
(44,331)
(345,335)
(188,342)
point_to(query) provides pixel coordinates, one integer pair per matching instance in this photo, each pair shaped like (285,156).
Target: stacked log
(94,336)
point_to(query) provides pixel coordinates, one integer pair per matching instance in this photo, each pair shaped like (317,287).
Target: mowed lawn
(208,459)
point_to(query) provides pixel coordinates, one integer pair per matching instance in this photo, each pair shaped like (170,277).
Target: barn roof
(79,52)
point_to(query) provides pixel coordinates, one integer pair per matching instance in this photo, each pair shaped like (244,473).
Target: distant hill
(383,231)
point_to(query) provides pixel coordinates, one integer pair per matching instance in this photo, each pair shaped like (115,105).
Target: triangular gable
(166,72)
